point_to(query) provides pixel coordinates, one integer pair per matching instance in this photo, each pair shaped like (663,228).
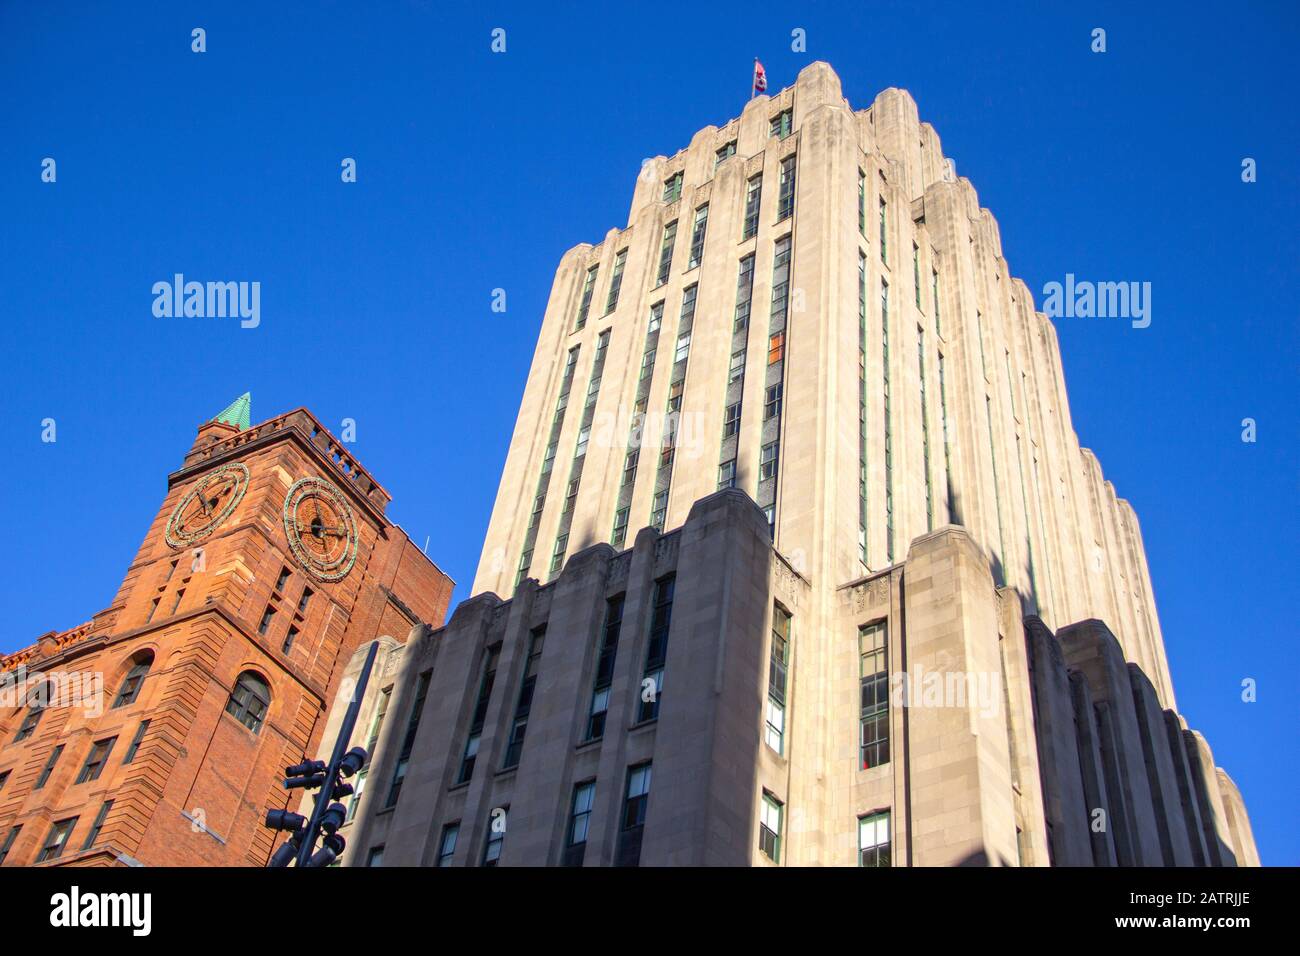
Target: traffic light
(284,820)
(335,816)
(308,775)
(353,761)
(330,849)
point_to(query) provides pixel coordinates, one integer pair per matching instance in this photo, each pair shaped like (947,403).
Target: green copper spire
(236,413)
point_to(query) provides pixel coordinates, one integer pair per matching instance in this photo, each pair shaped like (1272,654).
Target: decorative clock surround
(209,503)
(321,529)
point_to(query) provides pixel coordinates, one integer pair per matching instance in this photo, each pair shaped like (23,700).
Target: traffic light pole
(325,795)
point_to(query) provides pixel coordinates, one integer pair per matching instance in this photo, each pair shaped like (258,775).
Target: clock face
(207,505)
(321,530)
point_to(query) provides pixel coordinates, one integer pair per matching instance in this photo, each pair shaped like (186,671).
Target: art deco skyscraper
(808,311)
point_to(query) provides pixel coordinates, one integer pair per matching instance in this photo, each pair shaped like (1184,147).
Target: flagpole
(753,79)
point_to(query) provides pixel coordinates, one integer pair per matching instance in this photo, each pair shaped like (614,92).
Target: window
(656,319)
(4,778)
(777,674)
(135,742)
(934,295)
(496,837)
(659,506)
(584,303)
(781,123)
(648,363)
(873,839)
(408,738)
(769,513)
(605,659)
(548,460)
(916,273)
(785,194)
(250,701)
(267,616)
(723,154)
(95,760)
(883,256)
(616,281)
(697,236)
(289,638)
(302,601)
(666,253)
(133,681)
(683,346)
(873,733)
(727,474)
(767,460)
(769,827)
(55,754)
(889,433)
(584,794)
(775,348)
(673,188)
(657,648)
(772,401)
(862,203)
(33,717)
(730,420)
(180,593)
(9,842)
(744,293)
(780,283)
(281,580)
(620,516)
(57,840)
(447,843)
(523,706)
(737,370)
(753,196)
(98,825)
(557,554)
(376,856)
(635,801)
(480,713)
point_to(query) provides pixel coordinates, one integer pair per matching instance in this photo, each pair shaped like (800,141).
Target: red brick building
(157,732)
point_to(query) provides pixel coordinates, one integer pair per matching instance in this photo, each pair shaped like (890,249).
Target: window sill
(592,744)
(642,725)
(506,771)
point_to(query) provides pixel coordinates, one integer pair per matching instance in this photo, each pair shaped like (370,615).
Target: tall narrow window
(697,236)
(376,856)
(780,282)
(636,799)
(616,281)
(98,825)
(304,600)
(731,420)
(737,368)
(727,474)
(652,683)
(619,534)
(768,457)
(769,827)
(290,636)
(48,769)
(862,203)
(524,705)
(785,195)
(267,617)
(575,846)
(659,510)
(723,154)
(480,713)
(863,510)
(447,843)
(889,440)
(772,401)
(777,672)
(744,293)
(372,747)
(873,839)
(934,295)
(884,257)
(997,495)
(605,658)
(57,839)
(132,750)
(925,432)
(30,720)
(753,196)
(666,253)
(95,760)
(133,681)
(495,838)
(775,347)
(916,273)
(282,579)
(408,738)
(250,700)
(4,778)
(584,303)
(873,732)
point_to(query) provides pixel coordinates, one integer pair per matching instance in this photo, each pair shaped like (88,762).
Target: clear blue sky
(477,171)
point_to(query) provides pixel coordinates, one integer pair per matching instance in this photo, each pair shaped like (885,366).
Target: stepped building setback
(796,557)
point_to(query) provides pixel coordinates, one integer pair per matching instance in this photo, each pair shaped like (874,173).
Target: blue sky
(477,170)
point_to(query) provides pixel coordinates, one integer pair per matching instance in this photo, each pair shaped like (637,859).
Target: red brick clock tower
(157,732)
